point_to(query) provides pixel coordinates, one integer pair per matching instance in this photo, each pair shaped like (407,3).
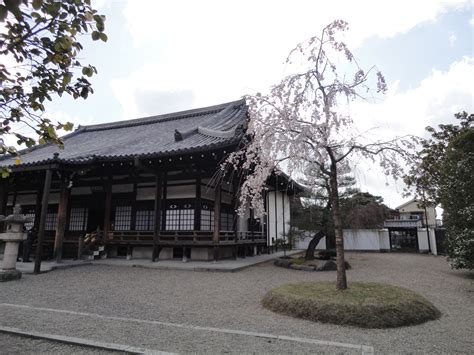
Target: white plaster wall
(81,190)
(226,198)
(384,239)
(422,239)
(271,217)
(361,239)
(203,254)
(188,191)
(303,242)
(145,193)
(434,250)
(414,207)
(354,239)
(166,253)
(207,193)
(53,198)
(142,252)
(122,188)
(282,224)
(29,199)
(242,221)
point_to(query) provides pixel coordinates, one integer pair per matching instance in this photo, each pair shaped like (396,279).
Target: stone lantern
(13,235)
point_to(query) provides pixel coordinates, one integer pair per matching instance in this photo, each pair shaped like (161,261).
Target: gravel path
(232,301)
(11,344)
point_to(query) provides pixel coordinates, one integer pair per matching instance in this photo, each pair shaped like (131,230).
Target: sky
(165,56)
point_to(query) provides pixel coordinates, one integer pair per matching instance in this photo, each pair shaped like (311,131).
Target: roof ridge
(158,118)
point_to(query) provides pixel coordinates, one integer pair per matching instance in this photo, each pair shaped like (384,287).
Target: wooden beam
(157,207)
(62,220)
(44,211)
(217,220)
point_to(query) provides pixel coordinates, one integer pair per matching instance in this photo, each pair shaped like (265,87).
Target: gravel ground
(232,301)
(11,344)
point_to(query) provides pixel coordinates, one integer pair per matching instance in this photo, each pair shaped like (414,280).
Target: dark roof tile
(201,129)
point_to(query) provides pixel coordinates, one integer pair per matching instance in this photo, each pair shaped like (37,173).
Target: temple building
(146,188)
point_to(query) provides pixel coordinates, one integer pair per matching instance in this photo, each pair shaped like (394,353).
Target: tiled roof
(162,135)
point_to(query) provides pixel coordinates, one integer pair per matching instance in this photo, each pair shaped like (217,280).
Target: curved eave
(98,159)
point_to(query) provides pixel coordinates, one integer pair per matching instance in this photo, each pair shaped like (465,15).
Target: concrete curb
(203,268)
(81,342)
(48,268)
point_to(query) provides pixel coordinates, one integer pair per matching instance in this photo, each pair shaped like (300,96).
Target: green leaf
(103,37)
(14,7)
(67,78)
(87,71)
(3,13)
(68,126)
(37,4)
(95,35)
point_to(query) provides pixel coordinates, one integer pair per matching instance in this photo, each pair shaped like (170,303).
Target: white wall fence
(371,240)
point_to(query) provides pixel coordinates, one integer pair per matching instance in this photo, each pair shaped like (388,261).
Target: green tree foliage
(444,173)
(456,194)
(424,174)
(362,210)
(39,47)
(359,210)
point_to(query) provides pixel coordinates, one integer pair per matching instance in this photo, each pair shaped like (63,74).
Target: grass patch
(298,261)
(363,304)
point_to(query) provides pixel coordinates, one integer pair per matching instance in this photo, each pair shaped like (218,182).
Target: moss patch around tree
(363,304)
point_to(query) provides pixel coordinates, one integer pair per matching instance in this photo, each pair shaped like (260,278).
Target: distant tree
(444,174)
(39,49)
(362,210)
(305,123)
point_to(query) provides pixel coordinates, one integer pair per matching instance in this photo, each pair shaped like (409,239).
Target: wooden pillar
(197,207)
(3,202)
(3,197)
(283,214)
(163,201)
(217,220)
(42,222)
(107,208)
(61,222)
(39,195)
(157,210)
(276,215)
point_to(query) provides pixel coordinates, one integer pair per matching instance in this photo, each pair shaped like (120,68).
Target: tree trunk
(341,283)
(312,245)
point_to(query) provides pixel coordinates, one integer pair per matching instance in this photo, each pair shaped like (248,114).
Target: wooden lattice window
(50,223)
(179,216)
(78,218)
(123,218)
(207,218)
(144,220)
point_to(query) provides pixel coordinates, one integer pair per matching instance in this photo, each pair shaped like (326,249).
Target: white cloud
(452,39)
(438,97)
(221,51)
(214,52)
